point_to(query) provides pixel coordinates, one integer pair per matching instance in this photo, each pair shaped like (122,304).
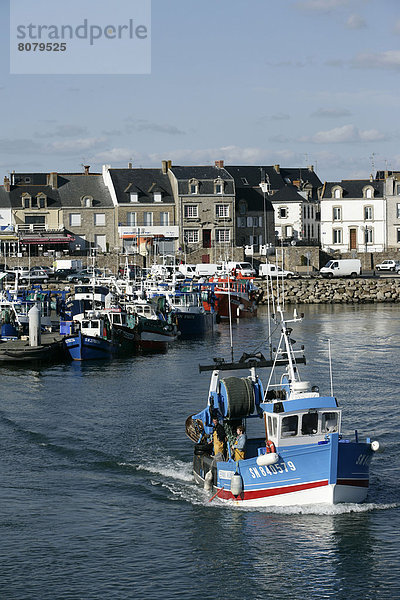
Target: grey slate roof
(353,188)
(253,175)
(143,181)
(206,175)
(4,198)
(254,199)
(288,194)
(71,188)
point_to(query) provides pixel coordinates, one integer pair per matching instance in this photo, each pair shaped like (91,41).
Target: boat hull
(329,473)
(85,347)
(195,324)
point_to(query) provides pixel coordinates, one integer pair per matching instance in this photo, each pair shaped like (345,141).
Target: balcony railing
(38,228)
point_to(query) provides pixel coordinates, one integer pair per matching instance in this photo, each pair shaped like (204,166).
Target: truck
(208,269)
(271,270)
(242,268)
(346,267)
(189,271)
(71,264)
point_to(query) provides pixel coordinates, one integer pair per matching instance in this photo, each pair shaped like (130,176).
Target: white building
(353,216)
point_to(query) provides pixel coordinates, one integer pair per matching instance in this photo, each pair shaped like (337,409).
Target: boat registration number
(281,467)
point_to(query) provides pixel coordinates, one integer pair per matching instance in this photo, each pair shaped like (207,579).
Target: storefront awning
(48,240)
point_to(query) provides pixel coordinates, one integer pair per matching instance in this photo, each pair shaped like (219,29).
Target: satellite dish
(293,243)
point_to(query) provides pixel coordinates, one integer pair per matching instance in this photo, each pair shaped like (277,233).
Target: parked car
(49,270)
(388,265)
(62,274)
(35,275)
(84,276)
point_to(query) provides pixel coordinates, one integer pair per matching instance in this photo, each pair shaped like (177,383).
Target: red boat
(239,293)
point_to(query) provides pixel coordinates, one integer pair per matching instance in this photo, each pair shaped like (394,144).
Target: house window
(305,211)
(398,236)
(41,201)
(222,210)
(222,235)
(164,218)
(191,236)
(131,219)
(27,179)
(193,187)
(218,188)
(397,211)
(75,220)
(191,211)
(26,201)
(282,212)
(369,235)
(337,213)
(338,193)
(148,218)
(157,197)
(241,221)
(242,209)
(368,193)
(100,242)
(99,219)
(368,213)
(398,189)
(337,236)
(133,197)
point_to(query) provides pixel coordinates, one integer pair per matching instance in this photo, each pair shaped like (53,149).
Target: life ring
(270,447)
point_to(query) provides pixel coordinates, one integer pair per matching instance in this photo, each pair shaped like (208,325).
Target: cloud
(355,22)
(279,139)
(63,131)
(378,60)
(142,125)
(346,134)
(114,155)
(75,145)
(321,6)
(280,117)
(331,113)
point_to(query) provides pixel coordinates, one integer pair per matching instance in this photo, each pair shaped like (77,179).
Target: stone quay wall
(341,291)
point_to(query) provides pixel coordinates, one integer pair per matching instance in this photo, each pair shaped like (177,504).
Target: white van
(242,268)
(207,269)
(189,271)
(270,270)
(347,267)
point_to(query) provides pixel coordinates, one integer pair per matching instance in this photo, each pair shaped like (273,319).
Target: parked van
(270,270)
(347,267)
(207,269)
(242,268)
(189,271)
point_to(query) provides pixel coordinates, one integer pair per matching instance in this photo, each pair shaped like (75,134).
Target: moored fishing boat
(236,298)
(192,318)
(296,454)
(90,338)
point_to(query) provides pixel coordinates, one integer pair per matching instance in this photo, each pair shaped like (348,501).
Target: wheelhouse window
(191,236)
(329,422)
(290,426)
(222,236)
(222,210)
(191,211)
(337,213)
(309,423)
(272,426)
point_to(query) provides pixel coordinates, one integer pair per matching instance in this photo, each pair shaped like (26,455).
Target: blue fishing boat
(90,338)
(296,453)
(192,318)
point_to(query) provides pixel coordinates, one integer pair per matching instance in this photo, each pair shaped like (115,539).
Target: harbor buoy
(236,484)
(267,459)
(375,446)
(208,481)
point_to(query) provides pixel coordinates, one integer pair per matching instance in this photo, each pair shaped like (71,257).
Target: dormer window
(87,201)
(368,192)
(193,186)
(218,186)
(26,201)
(134,197)
(157,197)
(41,200)
(337,192)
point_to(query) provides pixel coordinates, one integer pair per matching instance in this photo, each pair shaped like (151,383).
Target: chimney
(52,182)
(164,166)
(371,178)
(6,184)
(311,168)
(277,168)
(169,163)
(86,167)
(219,164)
(129,165)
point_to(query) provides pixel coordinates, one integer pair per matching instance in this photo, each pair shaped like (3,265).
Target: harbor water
(97,499)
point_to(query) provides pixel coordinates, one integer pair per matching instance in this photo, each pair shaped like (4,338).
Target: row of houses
(204,213)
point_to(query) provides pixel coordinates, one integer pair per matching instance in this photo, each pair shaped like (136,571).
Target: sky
(262,82)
